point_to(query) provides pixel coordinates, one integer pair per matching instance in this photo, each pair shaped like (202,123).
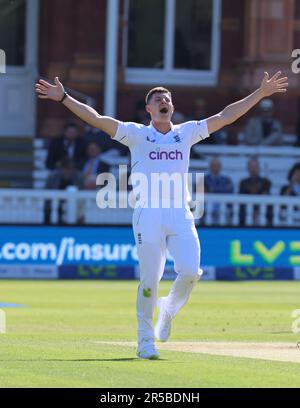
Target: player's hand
(48,91)
(269,86)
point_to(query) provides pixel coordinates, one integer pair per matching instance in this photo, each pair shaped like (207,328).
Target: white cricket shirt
(154,154)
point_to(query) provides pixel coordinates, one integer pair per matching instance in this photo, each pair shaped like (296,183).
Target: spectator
(293,188)
(108,145)
(141,115)
(215,182)
(256,185)
(264,130)
(70,146)
(93,166)
(67,175)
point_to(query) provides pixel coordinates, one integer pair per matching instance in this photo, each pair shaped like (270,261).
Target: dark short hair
(70,125)
(158,89)
(295,167)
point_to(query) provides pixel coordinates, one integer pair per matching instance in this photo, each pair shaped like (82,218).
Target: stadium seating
(16,162)
(275,162)
(28,206)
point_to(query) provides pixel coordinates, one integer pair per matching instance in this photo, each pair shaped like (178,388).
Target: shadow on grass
(82,360)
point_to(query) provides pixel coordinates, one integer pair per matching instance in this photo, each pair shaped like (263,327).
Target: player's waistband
(163,203)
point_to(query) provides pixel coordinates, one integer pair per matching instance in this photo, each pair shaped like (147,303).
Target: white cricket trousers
(155,231)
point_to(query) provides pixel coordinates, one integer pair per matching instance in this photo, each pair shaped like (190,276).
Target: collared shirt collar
(151,126)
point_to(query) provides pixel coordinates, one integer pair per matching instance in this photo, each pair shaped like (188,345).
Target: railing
(251,210)
(79,207)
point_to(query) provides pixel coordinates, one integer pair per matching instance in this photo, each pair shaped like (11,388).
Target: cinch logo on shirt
(163,155)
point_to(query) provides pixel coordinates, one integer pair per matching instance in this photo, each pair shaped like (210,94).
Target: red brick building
(214,49)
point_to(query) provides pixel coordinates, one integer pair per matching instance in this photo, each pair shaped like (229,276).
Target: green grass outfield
(55,341)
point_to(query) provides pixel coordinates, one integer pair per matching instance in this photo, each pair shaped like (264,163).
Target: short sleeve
(128,133)
(196,130)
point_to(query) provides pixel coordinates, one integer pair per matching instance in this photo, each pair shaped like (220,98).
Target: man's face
(93,150)
(253,167)
(160,107)
(296,177)
(215,167)
(71,133)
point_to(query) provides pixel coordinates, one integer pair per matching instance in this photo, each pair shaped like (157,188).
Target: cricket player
(158,149)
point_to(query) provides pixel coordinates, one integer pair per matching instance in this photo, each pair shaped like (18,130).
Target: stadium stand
(16,162)
(27,206)
(275,163)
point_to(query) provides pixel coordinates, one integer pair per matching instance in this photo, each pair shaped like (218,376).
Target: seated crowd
(215,182)
(76,160)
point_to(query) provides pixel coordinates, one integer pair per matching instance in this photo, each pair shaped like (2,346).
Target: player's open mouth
(164,110)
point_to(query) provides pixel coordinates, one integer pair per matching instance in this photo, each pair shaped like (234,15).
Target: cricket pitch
(288,352)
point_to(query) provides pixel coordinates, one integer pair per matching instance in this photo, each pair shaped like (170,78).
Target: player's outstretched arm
(231,113)
(86,113)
